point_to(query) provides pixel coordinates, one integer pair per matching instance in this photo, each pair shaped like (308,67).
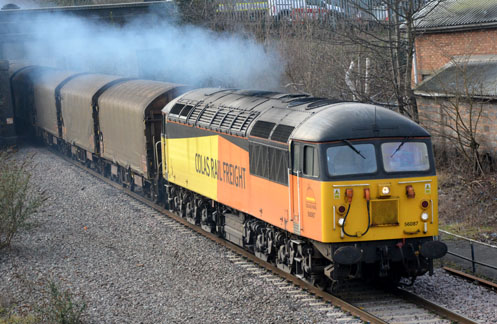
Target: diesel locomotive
(326,190)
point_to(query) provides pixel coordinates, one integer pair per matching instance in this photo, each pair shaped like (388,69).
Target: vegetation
(61,307)
(467,202)
(18,200)
(7,318)
(58,307)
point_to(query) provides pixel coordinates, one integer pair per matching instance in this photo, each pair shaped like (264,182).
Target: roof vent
(290,97)
(282,133)
(184,112)
(302,101)
(257,93)
(262,129)
(323,102)
(176,109)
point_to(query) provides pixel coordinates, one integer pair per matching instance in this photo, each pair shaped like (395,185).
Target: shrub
(61,308)
(18,200)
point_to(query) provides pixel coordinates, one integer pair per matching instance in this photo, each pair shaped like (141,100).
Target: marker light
(348,194)
(367,194)
(341,209)
(425,204)
(340,221)
(410,192)
(424,217)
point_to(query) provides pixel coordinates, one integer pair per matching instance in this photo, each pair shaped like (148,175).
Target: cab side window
(310,166)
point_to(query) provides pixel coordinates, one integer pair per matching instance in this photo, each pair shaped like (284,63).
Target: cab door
(295,179)
(304,162)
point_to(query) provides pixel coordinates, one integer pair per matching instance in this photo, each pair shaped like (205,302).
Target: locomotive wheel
(320,282)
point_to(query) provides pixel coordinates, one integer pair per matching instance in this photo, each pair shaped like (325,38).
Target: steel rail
(334,300)
(468,276)
(437,309)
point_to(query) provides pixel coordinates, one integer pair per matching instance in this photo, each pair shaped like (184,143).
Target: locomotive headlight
(424,217)
(384,190)
(340,221)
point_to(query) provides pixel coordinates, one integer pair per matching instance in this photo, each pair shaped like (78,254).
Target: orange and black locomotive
(320,187)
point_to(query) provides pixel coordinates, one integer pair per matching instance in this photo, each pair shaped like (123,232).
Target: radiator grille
(385,212)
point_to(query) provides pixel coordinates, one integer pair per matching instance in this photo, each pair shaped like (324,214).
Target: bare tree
(462,98)
(384,33)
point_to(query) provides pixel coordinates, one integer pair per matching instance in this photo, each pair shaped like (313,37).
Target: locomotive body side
(218,167)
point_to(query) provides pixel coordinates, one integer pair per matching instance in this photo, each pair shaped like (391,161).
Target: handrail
(472,243)
(468,239)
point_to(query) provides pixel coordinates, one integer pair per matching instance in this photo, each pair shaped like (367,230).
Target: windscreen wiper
(400,146)
(353,148)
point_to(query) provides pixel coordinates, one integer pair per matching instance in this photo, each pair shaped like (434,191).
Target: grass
(61,307)
(6,317)
(466,229)
(57,307)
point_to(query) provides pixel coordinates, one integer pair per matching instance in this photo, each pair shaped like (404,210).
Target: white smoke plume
(151,47)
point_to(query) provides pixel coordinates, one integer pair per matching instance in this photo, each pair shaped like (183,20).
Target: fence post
(473,258)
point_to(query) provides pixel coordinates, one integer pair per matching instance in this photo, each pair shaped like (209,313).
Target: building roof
(448,15)
(475,77)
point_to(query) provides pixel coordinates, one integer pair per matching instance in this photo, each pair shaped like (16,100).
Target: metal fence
(364,11)
(478,257)
(298,10)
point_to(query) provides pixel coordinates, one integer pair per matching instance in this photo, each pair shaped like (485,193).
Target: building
(455,72)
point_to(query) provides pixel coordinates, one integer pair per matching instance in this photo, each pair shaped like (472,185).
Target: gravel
(128,263)
(460,295)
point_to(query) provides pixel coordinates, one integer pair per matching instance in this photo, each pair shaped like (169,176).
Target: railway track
(467,276)
(360,302)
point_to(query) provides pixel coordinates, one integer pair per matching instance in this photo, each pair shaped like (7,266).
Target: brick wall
(431,114)
(433,51)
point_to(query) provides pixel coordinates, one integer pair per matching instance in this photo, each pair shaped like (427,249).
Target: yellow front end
(370,210)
